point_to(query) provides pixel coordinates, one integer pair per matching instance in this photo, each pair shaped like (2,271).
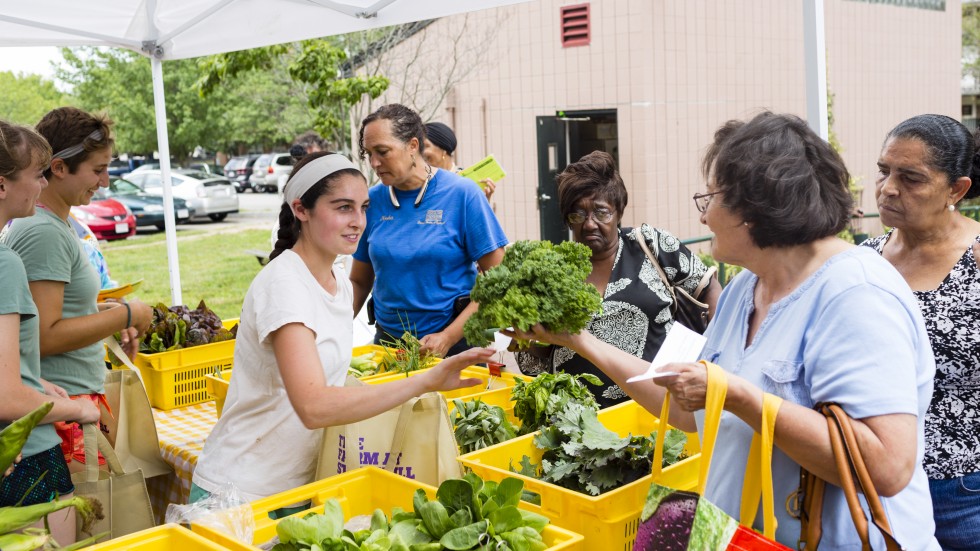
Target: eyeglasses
(601,216)
(701,200)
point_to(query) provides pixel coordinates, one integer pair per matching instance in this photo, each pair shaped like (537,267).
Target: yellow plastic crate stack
(168,537)
(608,521)
(359,492)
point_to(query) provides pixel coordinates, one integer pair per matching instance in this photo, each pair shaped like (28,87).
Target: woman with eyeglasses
(637,306)
(811,319)
(427,232)
(65,287)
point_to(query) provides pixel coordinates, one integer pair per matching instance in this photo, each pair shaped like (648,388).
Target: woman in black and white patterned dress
(636,304)
(927,166)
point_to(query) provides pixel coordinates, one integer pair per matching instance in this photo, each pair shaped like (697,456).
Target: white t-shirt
(260,444)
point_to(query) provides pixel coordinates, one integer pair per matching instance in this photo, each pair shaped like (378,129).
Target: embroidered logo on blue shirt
(432,217)
(387,218)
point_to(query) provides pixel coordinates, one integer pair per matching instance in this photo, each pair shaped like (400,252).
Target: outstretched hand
(445,375)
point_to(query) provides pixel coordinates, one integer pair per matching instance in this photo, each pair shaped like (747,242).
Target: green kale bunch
(537,282)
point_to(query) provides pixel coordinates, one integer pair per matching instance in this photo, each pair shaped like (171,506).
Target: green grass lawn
(213,267)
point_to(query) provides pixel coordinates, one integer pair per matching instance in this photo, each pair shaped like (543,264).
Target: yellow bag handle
(758,471)
(714,405)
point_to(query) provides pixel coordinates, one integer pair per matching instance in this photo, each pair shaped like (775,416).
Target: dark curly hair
(594,175)
(781,178)
(65,127)
(952,148)
(405,125)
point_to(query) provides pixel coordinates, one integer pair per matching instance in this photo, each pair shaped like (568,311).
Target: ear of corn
(15,518)
(24,542)
(14,436)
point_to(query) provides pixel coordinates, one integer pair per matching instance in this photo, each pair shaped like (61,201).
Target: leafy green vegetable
(583,455)
(537,400)
(363,365)
(405,354)
(454,520)
(180,327)
(536,282)
(479,425)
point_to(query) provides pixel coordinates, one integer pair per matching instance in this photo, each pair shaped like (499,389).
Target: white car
(209,195)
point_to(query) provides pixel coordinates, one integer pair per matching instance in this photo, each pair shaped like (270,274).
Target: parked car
(107,218)
(152,165)
(211,196)
(239,171)
(259,170)
(281,164)
(146,207)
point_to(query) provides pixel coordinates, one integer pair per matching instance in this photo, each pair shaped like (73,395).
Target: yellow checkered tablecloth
(182,432)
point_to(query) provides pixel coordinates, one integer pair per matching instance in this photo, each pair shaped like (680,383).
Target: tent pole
(163,145)
(815,61)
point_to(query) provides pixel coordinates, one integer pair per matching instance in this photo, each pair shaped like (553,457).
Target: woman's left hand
(489,186)
(689,387)
(437,343)
(52,389)
(130,341)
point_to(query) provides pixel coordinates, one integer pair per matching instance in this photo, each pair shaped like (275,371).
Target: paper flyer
(486,168)
(681,345)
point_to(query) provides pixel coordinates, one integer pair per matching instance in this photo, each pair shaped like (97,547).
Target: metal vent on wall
(575,26)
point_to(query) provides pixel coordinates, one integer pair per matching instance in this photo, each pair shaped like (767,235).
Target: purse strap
(853,472)
(702,285)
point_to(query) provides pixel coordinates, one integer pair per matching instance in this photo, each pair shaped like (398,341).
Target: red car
(107,218)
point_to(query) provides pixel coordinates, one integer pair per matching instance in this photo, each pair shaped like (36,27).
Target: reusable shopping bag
(125,502)
(677,520)
(132,430)
(414,440)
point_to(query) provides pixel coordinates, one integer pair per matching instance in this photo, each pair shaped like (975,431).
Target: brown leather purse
(850,465)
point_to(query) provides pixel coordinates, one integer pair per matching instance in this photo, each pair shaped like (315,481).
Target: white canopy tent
(178,29)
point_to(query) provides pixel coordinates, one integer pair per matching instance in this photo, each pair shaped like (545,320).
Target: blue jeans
(956,506)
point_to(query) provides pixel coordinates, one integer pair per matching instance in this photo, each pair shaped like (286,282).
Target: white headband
(70,152)
(312,172)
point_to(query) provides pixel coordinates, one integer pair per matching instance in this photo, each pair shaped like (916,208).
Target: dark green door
(552,159)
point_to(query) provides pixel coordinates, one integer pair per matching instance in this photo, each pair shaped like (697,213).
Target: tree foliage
(971,41)
(314,69)
(258,112)
(27,97)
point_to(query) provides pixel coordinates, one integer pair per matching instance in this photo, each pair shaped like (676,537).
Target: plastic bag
(224,510)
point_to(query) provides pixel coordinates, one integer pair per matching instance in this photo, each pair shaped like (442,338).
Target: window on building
(968,110)
(575,26)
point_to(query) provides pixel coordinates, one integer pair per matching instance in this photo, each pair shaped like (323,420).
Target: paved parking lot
(256,210)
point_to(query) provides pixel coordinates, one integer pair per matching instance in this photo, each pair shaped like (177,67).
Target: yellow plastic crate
(495,392)
(177,378)
(216,385)
(608,521)
(360,492)
(168,537)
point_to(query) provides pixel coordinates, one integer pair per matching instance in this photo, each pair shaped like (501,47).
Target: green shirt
(51,252)
(17,300)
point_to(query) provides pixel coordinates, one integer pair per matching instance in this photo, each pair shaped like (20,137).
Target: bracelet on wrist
(129,315)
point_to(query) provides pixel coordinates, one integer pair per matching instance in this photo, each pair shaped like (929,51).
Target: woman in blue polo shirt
(427,232)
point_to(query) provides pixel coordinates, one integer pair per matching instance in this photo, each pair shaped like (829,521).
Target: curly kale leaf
(536,282)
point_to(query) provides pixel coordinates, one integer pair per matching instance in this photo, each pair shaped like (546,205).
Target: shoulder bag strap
(758,471)
(850,464)
(96,442)
(698,291)
(656,264)
(113,345)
